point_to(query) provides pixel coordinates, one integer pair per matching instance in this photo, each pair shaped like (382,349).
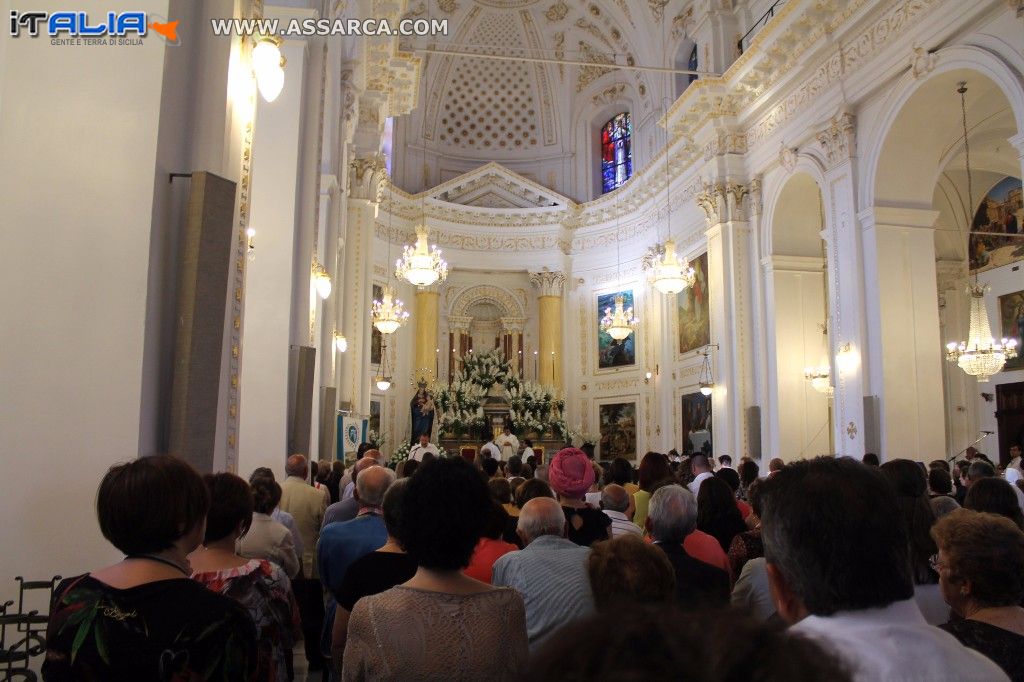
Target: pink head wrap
(571,474)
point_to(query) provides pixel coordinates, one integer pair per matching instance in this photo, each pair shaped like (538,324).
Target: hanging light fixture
(268,66)
(980,356)
(321,280)
(706,380)
(383,379)
(620,322)
(671,275)
(340,342)
(821,379)
(420,264)
(389,313)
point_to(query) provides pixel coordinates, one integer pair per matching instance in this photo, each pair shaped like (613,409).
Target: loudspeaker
(328,422)
(754,432)
(872,425)
(301,366)
(204,264)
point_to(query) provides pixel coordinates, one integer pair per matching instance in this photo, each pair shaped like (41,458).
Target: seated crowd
(825,569)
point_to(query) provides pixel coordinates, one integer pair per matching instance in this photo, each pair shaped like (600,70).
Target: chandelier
(419,264)
(670,274)
(389,313)
(705,380)
(383,379)
(982,356)
(619,323)
(820,378)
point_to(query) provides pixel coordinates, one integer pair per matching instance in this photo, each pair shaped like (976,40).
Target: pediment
(494,186)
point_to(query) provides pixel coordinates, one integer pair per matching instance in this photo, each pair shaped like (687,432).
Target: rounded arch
(876,148)
(499,297)
(601,101)
(809,167)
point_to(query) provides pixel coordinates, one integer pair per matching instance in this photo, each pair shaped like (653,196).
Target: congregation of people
(514,566)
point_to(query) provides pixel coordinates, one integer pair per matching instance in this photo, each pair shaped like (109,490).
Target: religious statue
(421,408)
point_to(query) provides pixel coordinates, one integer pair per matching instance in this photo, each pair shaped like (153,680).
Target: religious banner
(612,353)
(376,338)
(1000,211)
(618,430)
(696,432)
(1011,312)
(692,311)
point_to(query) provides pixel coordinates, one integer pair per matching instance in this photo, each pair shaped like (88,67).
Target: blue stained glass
(616,153)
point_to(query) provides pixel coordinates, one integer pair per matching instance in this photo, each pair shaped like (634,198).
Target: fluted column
(549,303)
(427,303)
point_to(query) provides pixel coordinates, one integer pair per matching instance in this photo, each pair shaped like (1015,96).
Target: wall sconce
(340,342)
(321,280)
(250,233)
(268,67)
(650,375)
(846,358)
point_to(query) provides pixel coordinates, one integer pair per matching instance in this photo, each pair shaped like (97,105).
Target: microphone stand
(977,440)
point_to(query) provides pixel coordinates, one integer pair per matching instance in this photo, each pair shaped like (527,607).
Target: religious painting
(1011,312)
(612,353)
(1001,211)
(376,338)
(696,433)
(618,430)
(692,310)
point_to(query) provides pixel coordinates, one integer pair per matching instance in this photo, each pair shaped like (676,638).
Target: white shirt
(895,643)
(490,447)
(527,452)
(620,524)
(508,443)
(418,451)
(694,485)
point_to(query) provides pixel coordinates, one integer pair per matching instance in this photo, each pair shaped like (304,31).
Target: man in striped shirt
(615,503)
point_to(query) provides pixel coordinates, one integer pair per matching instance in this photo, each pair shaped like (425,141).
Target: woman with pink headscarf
(571,474)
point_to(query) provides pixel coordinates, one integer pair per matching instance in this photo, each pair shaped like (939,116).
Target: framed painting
(375,416)
(618,430)
(612,353)
(696,431)
(376,338)
(1011,313)
(692,310)
(1000,211)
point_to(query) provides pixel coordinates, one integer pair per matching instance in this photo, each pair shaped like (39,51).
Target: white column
(263,427)
(903,316)
(729,237)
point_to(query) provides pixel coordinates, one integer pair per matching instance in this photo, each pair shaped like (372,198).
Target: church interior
(760,228)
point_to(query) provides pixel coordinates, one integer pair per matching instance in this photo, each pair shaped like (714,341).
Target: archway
(799,419)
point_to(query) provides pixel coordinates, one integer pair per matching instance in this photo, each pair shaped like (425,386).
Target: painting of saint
(1011,312)
(610,352)
(696,433)
(618,430)
(693,311)
(1001,211)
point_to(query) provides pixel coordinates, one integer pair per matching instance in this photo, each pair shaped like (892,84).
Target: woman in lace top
(261,587)
(441,624)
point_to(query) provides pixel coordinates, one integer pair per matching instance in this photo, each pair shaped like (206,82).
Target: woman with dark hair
(530,489)
(748,471)
(261,587)
(994,495)
(492,545)
(910,484)
(441,624)
(268,539)
(748,544)
(147,619)
(654,471)
(732,479)
(620,471)
(717,514)
(981,572)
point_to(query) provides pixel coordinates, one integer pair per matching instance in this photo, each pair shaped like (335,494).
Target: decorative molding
(502,298)
(366,178)
(724,202)
(1017,7)
(838,141)
(447,6)
(788,158)
(556,12)
(614,384)
(548,283)
(586,75)
(922,62)
(725,142)
(610,94)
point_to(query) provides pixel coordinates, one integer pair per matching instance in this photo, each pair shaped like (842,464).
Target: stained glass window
(616,153)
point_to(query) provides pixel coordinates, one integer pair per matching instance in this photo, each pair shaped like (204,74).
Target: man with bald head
(307,505)
(617,505)
(348,507)
(550,573)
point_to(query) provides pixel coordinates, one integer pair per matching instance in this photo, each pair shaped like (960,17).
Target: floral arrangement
(401,453)
(487,369)
(376,438)
(460,406)
(533,408)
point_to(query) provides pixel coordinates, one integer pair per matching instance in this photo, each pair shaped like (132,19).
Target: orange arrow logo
(168,30)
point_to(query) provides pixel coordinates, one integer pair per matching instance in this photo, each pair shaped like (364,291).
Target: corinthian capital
(838,141)
(548,283)
(366,177)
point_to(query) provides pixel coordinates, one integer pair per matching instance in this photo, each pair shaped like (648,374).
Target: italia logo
(81,25)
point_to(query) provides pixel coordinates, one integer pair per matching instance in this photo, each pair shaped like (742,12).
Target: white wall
(78,138)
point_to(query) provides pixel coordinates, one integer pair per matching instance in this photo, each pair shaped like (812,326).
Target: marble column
(427,361)
(461,343)
(549,303)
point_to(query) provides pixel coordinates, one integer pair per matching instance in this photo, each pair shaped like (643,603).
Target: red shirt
(745,509)
(487,551)
(704,547)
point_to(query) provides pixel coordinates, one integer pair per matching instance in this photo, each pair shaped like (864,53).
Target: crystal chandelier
(820,378)
(389,313)
(619,323)
(670,274)
(982,356)
(419,264)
